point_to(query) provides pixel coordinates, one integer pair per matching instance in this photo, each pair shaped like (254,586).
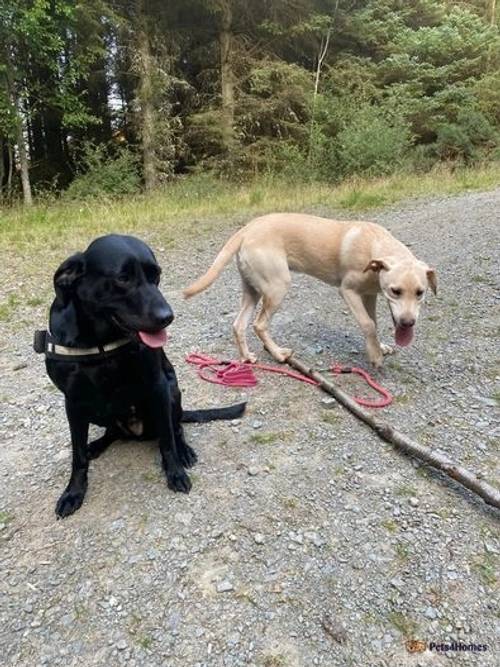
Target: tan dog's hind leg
(270,304)
(370,303)
(249,300)
(368,325)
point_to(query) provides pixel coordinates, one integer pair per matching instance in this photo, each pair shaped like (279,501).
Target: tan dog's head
(404,284)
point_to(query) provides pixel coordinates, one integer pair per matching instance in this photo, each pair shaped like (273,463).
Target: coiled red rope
(241,374)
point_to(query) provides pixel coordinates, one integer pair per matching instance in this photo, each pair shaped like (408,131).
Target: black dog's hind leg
(163,405)
(73,496)
(187,454)
(97,447)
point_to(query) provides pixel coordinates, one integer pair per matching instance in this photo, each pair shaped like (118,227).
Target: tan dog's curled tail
(223,258)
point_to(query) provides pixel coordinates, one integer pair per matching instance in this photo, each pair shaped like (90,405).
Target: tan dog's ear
(432,280)
(376,265)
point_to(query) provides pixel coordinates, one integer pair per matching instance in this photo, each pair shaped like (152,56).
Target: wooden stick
(488,493)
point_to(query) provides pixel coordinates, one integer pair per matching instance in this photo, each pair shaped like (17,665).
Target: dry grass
(195,204)
(33,241)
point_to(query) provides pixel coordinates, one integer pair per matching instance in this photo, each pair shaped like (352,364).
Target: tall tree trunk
(23,161)
(97,90)
(492,12)
(2,166)
(10,153)
(147,112)
(20,135)
(323,50)
(226,73)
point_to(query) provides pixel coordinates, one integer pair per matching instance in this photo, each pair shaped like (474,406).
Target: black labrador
(104,351)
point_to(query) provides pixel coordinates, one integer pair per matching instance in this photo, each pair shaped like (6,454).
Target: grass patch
(390,525)
(406,626)
(485,567)
(405,490)
(330,418)
(8,307)
(35,301)
(402,552)
(277,660)
(5,517)
(290,503)
(145,642)
(181,205)
(264,438)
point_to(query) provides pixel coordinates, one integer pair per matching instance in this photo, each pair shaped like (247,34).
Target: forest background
(112,97)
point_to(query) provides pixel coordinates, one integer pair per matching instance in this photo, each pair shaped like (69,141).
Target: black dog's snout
(164,316)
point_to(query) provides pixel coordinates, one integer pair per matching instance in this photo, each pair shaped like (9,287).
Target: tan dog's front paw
(250,357)
(376,359)
(281,354)
(386,349)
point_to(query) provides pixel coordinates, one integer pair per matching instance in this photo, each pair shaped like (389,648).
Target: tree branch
(435,459)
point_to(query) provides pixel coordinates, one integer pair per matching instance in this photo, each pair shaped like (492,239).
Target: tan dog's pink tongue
(403,335)
(157,339)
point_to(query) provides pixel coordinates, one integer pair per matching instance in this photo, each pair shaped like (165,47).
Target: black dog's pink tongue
(157,339)
(403,335)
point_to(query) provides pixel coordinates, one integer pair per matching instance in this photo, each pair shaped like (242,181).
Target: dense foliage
(112,95)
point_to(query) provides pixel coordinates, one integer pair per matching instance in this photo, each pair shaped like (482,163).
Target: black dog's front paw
(69,502)
(96,448)
(179,481)
(188,456)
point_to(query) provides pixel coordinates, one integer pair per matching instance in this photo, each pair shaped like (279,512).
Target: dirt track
(305,540)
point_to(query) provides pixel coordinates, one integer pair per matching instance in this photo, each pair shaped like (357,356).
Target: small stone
(491,548)
(224,587)
(256,424)
(328,402)
(413,501)
(258,538)
(431,613)
(218,532)
(121,645)
(253,471)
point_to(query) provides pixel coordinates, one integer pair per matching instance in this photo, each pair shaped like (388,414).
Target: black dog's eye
(122,280)
(152,274)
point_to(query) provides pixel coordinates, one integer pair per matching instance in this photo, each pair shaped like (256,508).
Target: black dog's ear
(67,274)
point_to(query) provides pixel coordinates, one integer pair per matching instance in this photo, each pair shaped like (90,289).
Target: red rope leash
(241,374)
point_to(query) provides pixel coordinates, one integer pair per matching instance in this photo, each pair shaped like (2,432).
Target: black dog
(104,352)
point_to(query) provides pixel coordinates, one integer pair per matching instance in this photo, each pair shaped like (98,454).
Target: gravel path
(305,540)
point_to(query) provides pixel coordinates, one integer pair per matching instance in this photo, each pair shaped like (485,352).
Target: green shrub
(105,172)
(372,143)
(469,138)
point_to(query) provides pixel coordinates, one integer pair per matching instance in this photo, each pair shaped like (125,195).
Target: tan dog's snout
(403,284)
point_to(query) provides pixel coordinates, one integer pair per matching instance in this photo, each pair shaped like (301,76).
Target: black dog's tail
(200,416)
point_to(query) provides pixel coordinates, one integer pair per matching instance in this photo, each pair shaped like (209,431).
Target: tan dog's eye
(396,291)
(419,292)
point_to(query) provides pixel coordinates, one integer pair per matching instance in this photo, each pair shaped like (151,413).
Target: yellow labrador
(361,258)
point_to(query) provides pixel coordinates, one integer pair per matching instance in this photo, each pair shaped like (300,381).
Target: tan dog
(361,258)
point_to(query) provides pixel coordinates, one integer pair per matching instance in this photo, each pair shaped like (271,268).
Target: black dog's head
(114,283)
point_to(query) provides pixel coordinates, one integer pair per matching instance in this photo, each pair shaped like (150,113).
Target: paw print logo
(415,646)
